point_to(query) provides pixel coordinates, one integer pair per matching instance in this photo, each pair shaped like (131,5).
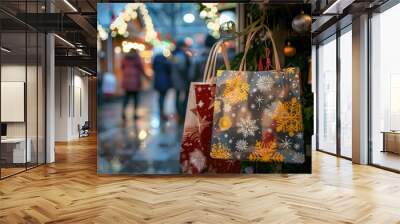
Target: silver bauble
(302,23)
(228,30)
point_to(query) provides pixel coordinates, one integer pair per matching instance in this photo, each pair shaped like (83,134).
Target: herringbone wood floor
(70,191)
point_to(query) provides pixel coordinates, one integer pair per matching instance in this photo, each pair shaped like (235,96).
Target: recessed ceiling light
(70,5)
(5,50)
(84,71)
(64,40)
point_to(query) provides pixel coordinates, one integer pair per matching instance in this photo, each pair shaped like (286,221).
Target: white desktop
(19,155)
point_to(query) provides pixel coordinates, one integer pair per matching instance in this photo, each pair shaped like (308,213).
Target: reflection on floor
(386,159)
(5,172)
(144,146)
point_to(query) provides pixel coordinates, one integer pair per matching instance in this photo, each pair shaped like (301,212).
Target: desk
(391,141)
(16,147)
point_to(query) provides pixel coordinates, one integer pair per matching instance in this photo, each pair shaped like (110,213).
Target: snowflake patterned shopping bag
(258,114)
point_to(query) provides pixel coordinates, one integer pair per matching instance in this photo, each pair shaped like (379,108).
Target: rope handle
(209,70)
(250,37)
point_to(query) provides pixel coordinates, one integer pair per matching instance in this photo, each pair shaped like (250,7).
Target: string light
(127,46)
(120,24)
(101,32)
(210,14)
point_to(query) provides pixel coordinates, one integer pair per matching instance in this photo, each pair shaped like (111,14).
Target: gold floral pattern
(220,151)
(225,123)
(266,152)
(236,89)
(291,70)
(288,117)
(217,106)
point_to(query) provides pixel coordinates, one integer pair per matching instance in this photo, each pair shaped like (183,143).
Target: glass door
(326,96)
(345,43)
(385,89)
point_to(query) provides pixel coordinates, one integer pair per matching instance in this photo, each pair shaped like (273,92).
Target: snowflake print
(291,71)
(285,144)
(265,83)
(236,89)
(241,145)
(288,117)
(200,104)
(266,152)
(296,146)
(197,159)
(247,127)
(227,108)
(259,100)
(299,135)
(298,158)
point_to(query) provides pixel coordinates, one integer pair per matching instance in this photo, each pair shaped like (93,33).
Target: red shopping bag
(195,149)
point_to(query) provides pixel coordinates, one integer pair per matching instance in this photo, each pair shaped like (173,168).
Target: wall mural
(195,104)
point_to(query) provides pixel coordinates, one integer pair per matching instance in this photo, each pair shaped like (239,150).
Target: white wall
(71,94)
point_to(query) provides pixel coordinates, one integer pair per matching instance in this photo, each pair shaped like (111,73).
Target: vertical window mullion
(338,76)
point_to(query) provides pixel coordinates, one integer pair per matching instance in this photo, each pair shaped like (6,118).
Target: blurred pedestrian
(162,80)
(199,62)
(180,77)
(132,72)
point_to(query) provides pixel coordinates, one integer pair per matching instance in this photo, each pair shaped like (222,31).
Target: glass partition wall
(22,88)
(345,92)
(334,94)
(326,107)
(385,89)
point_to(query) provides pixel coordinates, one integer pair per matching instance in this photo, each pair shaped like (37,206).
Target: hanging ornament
(302,23)
(228,30)
(289,50)
(260,64)
(268,59)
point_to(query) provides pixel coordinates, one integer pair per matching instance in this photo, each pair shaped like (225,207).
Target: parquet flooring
(70,191)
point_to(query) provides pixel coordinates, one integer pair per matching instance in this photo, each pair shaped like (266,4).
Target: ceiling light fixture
(337,7)
(70,5)
(84,71)
(5,50)
(64,40)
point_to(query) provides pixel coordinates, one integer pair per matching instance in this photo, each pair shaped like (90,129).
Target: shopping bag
(195,149)
(258,114)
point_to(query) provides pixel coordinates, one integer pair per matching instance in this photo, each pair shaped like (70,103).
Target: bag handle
(209,70)
(207,66)
(250,37)
(214,65)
